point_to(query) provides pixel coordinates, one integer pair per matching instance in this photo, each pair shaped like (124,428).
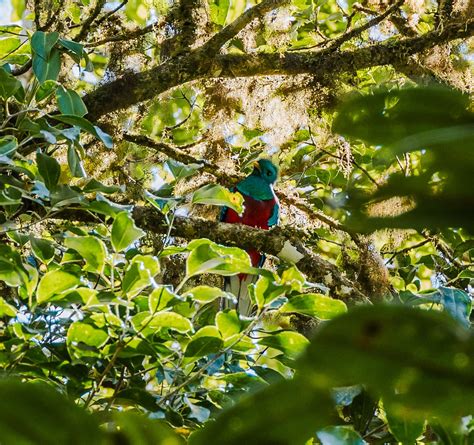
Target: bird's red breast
(256,214)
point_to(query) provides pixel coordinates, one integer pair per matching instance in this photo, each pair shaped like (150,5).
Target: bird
(262,210)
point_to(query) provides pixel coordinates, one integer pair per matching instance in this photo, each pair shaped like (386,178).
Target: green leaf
(49,169)
(74,49)
(205,294)
(339,435)
(34,413)
(95,186)
(92,249)
(401,354)
(293,278)
(86,334)
(136,278)
(160,298)
(70,102)
(18,9)
(405,430)
(267,289)
(6,310)
(8,145)
(55,282)
(124,232)
(150,262)
(45,90)
(228,323)
(205,342)
(455,302)
(85,125)
(9,85)
(217,195)
(133,428)
(47,69)
(315,305)
(43,43)
(12,270)
(219,10)
(385,117)
(287,412)
(75,165)
(292,344)
(42,248)
(209,257)
(170,320)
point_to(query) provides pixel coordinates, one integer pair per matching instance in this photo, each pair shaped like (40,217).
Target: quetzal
(261,209)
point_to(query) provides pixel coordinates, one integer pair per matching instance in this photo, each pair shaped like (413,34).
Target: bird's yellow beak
(256,165)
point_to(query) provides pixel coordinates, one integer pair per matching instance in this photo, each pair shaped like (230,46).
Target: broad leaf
(84,124)
(49,169)
(124,232)
(401,354)
(92,249)
(285,413)
(70,102)
(55,282)
(217,195)
(315,305)
(56,419)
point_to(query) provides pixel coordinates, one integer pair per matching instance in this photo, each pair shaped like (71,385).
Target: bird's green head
(266,170)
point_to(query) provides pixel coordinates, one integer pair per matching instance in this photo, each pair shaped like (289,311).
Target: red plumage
(256,214)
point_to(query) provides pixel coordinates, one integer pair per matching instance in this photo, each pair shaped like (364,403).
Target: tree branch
(229,178)
(279,242)
(338,41)
(90,20)
(133,88)
(216,42)
(129,35)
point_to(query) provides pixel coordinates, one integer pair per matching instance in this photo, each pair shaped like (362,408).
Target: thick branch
(228,178)
(133,88)
(274,242)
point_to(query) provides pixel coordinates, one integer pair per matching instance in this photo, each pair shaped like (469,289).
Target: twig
(406,249)
(133,34)
(338,41)
(106,16)
(216,42)
(89,21)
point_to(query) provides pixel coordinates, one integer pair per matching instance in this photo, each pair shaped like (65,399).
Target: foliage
(113,329)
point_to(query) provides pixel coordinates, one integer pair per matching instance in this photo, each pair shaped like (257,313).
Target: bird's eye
(269,173)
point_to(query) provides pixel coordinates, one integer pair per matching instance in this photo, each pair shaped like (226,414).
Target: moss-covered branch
(280,242)
(133,88)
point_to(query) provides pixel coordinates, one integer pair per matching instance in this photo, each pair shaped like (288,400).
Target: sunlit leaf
(55,282)
(217,195)
(92,249)
(315,305)
(124,232)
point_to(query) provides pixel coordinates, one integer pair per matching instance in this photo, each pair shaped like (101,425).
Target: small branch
(204,368)
(22,69)
(110,13)
(405,250)
(272,242)
(89,21)
(338,41)
(216,42)
(133,34)
(228,178)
